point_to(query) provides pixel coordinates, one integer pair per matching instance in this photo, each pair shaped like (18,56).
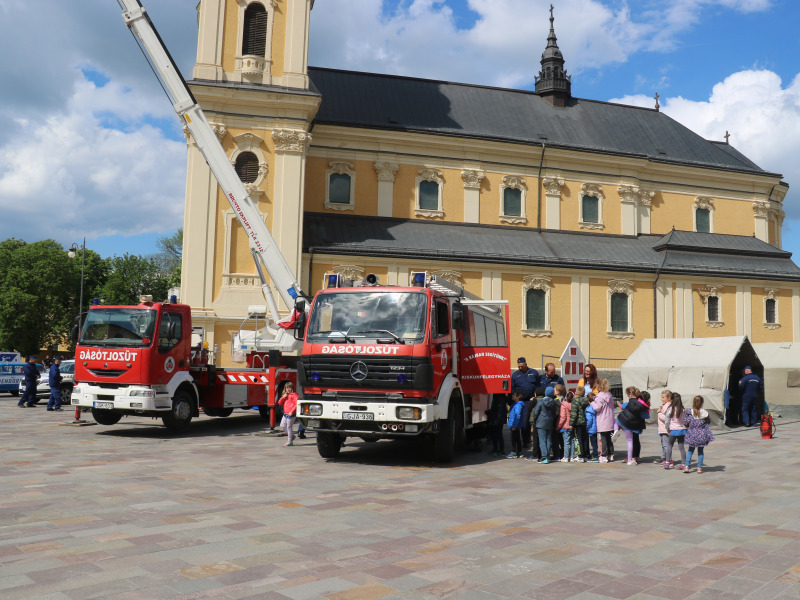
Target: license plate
(104,405)
(358,416)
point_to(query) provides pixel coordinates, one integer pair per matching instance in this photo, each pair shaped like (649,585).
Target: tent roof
(688,352)
(779,354)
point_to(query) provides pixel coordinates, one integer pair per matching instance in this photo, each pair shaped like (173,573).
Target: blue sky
(89,145)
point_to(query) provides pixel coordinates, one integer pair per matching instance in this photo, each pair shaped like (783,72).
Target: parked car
(10,376)
(67,369)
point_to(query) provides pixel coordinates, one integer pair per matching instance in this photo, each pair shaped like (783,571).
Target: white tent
(781,362)
(690,366)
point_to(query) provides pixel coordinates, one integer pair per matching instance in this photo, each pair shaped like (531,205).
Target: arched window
(769,311)
(620,308)
(535,309)
(254,40)
(247,167)
(713,308)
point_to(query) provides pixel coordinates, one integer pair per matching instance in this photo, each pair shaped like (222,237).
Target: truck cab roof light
(418,278)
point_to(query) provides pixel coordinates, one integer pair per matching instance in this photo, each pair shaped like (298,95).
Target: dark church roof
(395,103)
(679,253)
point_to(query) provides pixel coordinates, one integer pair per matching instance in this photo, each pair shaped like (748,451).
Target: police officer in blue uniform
(550,378)
(55,377)
(525,380)
(31,375)
(749,387)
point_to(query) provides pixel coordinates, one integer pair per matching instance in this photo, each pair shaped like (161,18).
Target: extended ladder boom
(262,244)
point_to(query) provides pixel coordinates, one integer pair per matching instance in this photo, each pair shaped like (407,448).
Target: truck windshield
(398,317)
(126,327)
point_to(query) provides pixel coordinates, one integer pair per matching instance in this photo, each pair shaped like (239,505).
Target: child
(556,439)
(536,453)
(544,418)
(698,433)
(563,426)
(603,405)
(496,420)
(591,427)
(289,402)
(663,432)
(516,404)
(632,421)
(674,418)
(577,419)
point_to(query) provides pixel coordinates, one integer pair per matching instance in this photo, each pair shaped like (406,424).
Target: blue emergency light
(333,280)
(418,279)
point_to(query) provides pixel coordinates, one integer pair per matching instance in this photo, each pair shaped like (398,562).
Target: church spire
(553,84)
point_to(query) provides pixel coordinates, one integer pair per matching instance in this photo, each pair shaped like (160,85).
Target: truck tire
(66,394)
(444,441)
(328,444)
(180,416)
(106,417)
(217,411)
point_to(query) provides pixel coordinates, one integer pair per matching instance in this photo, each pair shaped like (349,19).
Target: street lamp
(71,253)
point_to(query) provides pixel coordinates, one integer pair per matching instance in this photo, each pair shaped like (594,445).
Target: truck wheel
(444,442)
(66,394)
(106,417)
(218,412)
(181,414)
(328,444)
(265,410)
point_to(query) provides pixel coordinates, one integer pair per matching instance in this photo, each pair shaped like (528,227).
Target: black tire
(66,394)
(106,417)
(15,393)
(180,416)
(217,411)
(444,441)
(328,444)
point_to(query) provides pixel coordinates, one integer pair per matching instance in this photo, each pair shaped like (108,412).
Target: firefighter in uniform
(525,380)
(749,387)
(55,377)
(31,374)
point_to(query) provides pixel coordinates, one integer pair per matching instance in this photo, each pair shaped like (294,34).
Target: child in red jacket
(289,402)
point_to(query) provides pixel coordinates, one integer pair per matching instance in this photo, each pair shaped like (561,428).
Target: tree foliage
(169,256)
(131,276)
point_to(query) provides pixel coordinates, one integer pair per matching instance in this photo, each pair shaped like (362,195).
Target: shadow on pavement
(140,427)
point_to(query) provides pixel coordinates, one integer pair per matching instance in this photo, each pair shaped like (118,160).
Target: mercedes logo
(358,371)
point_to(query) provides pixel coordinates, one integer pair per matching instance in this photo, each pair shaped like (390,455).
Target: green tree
(131,276)
(36,287)
(169,256)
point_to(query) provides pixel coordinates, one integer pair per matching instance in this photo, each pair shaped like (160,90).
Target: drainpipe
(539,181)
(310,268)
(655,292)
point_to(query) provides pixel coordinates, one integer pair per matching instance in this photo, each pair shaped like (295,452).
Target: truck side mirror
(458,316)
(300,306)
(75,331)
(300,326)
(171,330)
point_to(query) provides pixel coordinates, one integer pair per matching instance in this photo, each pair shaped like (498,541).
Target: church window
(620,308)
(340,188)
(428,202)
(591,206)
(713,308)
(536,299)
(619,312)
(428,195)
(769,309)
(702,220)
(340,185)
(512,199)
(247,167)
(512,202)
(771,320)
(591,214)
(535,309)
(254,41)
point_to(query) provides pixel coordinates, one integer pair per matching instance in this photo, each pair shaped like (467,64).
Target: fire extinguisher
(767,426)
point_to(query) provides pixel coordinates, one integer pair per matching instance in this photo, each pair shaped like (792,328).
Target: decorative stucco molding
(386,170)
(291,140)
(472,178)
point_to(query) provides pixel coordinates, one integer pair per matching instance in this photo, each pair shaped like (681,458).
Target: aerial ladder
(266,254)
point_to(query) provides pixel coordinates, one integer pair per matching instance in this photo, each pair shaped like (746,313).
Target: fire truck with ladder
(376,361)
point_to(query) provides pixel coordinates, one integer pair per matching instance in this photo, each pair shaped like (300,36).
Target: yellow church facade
(602,222)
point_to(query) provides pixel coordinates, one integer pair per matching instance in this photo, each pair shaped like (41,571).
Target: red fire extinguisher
(767,426)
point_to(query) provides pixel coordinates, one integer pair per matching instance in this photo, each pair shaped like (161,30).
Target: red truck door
(485,361)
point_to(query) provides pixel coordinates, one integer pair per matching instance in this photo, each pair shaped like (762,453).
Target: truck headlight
(141,393)
(312,410)
(409,413)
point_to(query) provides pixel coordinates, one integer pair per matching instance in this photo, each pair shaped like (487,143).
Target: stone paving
(224,511)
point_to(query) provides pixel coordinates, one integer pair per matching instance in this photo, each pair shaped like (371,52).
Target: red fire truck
(390,362)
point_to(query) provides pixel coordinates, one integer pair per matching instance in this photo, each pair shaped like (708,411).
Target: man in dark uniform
(525,380)
(31,374)
(55,377)
(749,387)
(550,378)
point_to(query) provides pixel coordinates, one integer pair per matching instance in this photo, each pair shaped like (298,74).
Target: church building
(599,221)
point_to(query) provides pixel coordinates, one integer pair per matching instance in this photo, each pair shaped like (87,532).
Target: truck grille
(397,373)
(106,372)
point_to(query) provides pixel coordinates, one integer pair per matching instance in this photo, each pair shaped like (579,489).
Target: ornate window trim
(712,291)
(340,167)
(591,189)
(536,282)
(236,280)
(518,183)
(771,294)
(434,175)
(251,68)
(620,286)
(453,277)
(706,203)
(248,142)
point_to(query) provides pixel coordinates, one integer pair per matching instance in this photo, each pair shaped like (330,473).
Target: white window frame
(249,142)
(518,183)
(712,291)
(620,286)
(436,176)
(703,202)
(250,68)
(591,189)
(340,167)
(536,282)
(771,294)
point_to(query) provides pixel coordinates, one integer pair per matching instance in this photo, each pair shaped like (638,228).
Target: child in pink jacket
(603,405)
(565,410)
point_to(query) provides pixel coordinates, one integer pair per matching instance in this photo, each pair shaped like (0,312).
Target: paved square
(131,511)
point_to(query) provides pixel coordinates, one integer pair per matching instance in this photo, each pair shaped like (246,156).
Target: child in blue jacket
(591,428)
(516,405)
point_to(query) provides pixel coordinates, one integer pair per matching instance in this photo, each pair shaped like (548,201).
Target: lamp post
(71,253)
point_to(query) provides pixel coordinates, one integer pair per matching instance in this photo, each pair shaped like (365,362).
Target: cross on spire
(656,97)
(727,136)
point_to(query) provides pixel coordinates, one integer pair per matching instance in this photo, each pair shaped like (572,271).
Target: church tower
(251,78)
(553,84)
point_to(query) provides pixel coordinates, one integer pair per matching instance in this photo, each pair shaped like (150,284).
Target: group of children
(565,426)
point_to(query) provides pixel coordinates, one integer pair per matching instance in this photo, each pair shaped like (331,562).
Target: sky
(91,148)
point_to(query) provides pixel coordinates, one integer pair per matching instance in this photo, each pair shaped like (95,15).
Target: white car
(67,369)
